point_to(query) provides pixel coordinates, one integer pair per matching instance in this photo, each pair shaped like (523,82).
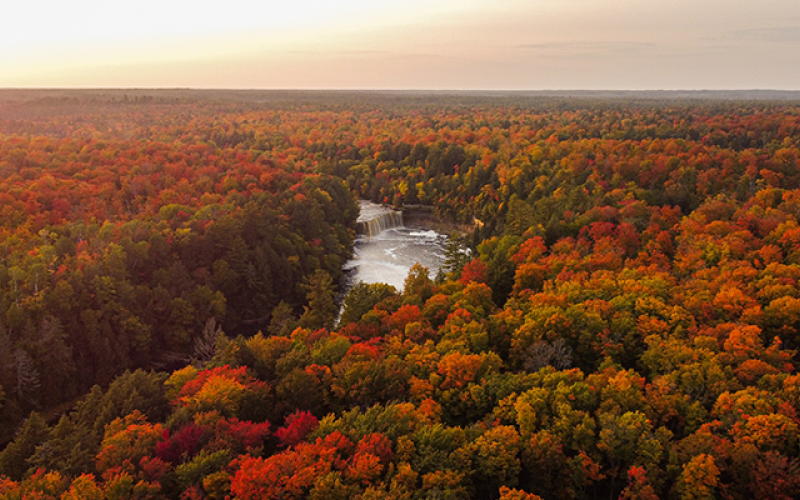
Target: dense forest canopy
(625,327)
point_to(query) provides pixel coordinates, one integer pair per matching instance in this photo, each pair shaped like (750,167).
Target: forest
(625,324)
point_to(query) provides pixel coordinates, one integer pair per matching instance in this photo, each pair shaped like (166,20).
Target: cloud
(583,48)
(782,34)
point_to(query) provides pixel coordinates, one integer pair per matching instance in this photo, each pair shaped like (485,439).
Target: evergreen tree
(27,377)
(283,320)
(14,459)
(321,309)
(456,257)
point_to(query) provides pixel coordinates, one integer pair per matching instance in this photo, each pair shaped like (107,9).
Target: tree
(699,478)
(627,440)
(73,443)
(776,477)
(14,458)
(542,353)
(456,256)
(418,283)
(292,473)
(231,392)
(321,310)
(238,436)
(27,384)
(283,320)
(180,446)
(127,440)
(495,458)
(298,425)
(205,344)
(83,487)
(513,494)
(546,467)
(638,486)
(362,298)
(473,271)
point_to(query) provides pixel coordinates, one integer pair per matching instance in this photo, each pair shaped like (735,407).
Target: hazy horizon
(477,45)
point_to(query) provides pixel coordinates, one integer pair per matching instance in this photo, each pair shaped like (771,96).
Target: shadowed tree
(321,309)
(27,377)
(14,459)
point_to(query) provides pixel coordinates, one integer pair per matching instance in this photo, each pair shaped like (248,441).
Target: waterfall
(381,256)
(375,223)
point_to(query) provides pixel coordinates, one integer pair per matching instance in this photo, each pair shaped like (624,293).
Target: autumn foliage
(625,323)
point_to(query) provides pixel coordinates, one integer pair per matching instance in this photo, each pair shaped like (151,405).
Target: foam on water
(424,234)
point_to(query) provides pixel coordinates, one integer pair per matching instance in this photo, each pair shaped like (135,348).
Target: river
(385,249)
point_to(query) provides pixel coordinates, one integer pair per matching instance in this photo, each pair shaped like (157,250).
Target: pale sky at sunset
(409,44)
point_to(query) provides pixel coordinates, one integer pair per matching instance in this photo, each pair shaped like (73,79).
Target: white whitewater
(385,249)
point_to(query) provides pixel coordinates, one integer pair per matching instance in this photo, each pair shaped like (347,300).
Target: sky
(402,44)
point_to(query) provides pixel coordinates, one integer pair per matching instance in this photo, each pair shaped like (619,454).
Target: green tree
(628,440)
(362,298)
(418,283)
(456,257)
(495,457)
(46,342)
(283,320)
(321,309)
(71,446)
(495,253)
(14,459)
